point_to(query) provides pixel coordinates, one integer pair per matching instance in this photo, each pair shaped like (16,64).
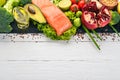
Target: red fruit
(89,20)
(75,1)
(93,18)
(74,8)
(81,3)
(104,17)
(91,6)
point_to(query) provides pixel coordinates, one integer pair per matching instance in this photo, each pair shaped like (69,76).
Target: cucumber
(64,4)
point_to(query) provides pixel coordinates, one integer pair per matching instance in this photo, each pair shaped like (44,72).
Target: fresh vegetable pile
(89,15)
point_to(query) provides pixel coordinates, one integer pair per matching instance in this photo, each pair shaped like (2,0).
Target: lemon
(65,4)
(2,2)
(118,7)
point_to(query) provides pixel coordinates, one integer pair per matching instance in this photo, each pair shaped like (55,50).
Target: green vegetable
(56,2)
(23,2)
(71,15)
(115,20)
(77,22)
(50,32)
(97,35)
(87,31)
(2,2)
(10,4)
(5,19)
(78,13)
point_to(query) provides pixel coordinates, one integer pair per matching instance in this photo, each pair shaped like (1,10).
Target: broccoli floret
(5,19)
(11,4)
(23,2)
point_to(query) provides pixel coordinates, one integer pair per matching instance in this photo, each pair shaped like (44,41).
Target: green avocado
(35,13)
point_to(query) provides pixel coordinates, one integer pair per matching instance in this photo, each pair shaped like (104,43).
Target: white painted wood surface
(36,58)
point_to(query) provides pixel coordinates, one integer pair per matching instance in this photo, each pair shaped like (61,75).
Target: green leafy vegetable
(10,4)
(115,20)
(5,19)
(23,2)
(50,32)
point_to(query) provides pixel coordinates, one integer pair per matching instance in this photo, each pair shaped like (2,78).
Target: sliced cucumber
(64,4)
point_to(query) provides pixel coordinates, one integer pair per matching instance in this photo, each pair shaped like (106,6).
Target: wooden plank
(37,37)
(81,70)
(35,58)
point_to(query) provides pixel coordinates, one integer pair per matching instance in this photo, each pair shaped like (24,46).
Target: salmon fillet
(54,16)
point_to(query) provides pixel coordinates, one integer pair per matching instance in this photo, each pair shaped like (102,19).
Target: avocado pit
(31,10)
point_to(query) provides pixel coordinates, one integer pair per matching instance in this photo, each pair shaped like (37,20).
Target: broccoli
(23,2)
(5,19)
(10,4)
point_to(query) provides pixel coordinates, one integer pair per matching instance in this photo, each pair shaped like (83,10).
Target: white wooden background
(24,57)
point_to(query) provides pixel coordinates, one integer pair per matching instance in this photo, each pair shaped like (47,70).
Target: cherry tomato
(75,1)
(81,3)
(74,8)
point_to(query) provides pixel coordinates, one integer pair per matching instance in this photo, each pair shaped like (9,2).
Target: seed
(31,10)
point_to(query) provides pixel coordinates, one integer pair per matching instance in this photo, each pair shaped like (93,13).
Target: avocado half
(35,13)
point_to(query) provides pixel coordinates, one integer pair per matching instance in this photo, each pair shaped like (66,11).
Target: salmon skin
(54,16)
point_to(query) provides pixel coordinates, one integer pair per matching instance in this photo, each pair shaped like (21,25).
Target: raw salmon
(54,16)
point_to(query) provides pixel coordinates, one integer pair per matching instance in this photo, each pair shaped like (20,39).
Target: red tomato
(74,8)
(75,1)
(81,3)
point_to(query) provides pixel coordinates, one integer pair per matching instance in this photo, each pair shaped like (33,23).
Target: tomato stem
(87,31)
(97,34)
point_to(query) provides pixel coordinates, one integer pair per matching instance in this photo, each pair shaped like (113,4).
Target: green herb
(5,19)
(23,2)
(97,34)
(87,31)
(10,4)
(115,20)
(114,30)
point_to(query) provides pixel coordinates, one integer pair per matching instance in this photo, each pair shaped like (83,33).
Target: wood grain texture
(59,60)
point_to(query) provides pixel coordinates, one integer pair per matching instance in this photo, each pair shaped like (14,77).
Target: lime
(118,7)
(64,4)
(2,2)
